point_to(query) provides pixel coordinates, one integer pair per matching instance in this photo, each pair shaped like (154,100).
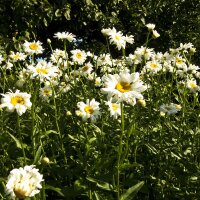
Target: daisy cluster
(121,79)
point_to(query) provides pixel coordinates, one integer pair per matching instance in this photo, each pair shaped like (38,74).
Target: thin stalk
(57,126)
(20,136)
(120,151)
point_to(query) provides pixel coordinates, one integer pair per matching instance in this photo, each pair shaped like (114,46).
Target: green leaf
(17,142)
(101,184)
(132,191)
(56,189)
(37,155)
(46,133)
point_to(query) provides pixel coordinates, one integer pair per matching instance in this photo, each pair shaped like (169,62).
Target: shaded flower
(169,109)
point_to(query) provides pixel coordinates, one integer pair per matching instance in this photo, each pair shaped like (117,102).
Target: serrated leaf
(132,191)
(17,142)
(56,189)
(37,155)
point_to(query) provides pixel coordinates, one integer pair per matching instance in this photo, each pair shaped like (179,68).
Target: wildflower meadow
(79,125)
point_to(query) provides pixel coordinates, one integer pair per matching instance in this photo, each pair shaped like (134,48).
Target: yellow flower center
(154,66)
(79,55)
(42,70)
(47,92)
(16,57)
(179,61)
(123,87)
(17,100)
(33,46)
(193,85)
(114,106)
(117,38)
(88,109)
(20,193)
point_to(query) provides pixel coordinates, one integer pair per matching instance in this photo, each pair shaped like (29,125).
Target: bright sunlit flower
(123,87)
(152,66)
(43,70)
(192,85)
(114,108)
(19,101)
(117,38)
(58,55)
(155,34)
(78,56)
(169,109)
(1,59)
(150,26)
(89,110)
(33,47)
(24,182)
(17,56)
(65,36)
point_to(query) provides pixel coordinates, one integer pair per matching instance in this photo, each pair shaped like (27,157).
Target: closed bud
(142,102)
(45,160)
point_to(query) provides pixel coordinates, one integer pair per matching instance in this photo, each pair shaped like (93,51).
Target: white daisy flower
(17,56)
(8,65)
(1,59)
(78,56)
(33,47)
(45,92)
(117,38)
(123,87)
(114,108)
(97,81)
(106,31)
(65,36)
(152,67)
(144,52)
(86,69)
(192,85)
(169,109)
(43,70)
(129,39)
(150,26)
(155,34)
(58,55)
(104,59)
(19,101)
(89,110)
(23,182)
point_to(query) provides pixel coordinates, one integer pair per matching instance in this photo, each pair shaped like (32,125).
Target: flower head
(65,36)
(24,182)
(78,56)
(169,109)
(18,100)
(123,87)
(114,108)
(33,47)
(89,110)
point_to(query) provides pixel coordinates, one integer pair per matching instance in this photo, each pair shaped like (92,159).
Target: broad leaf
(132,191)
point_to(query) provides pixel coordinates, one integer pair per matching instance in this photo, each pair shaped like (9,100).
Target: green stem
(20,135)
(57,126)
(120,151)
